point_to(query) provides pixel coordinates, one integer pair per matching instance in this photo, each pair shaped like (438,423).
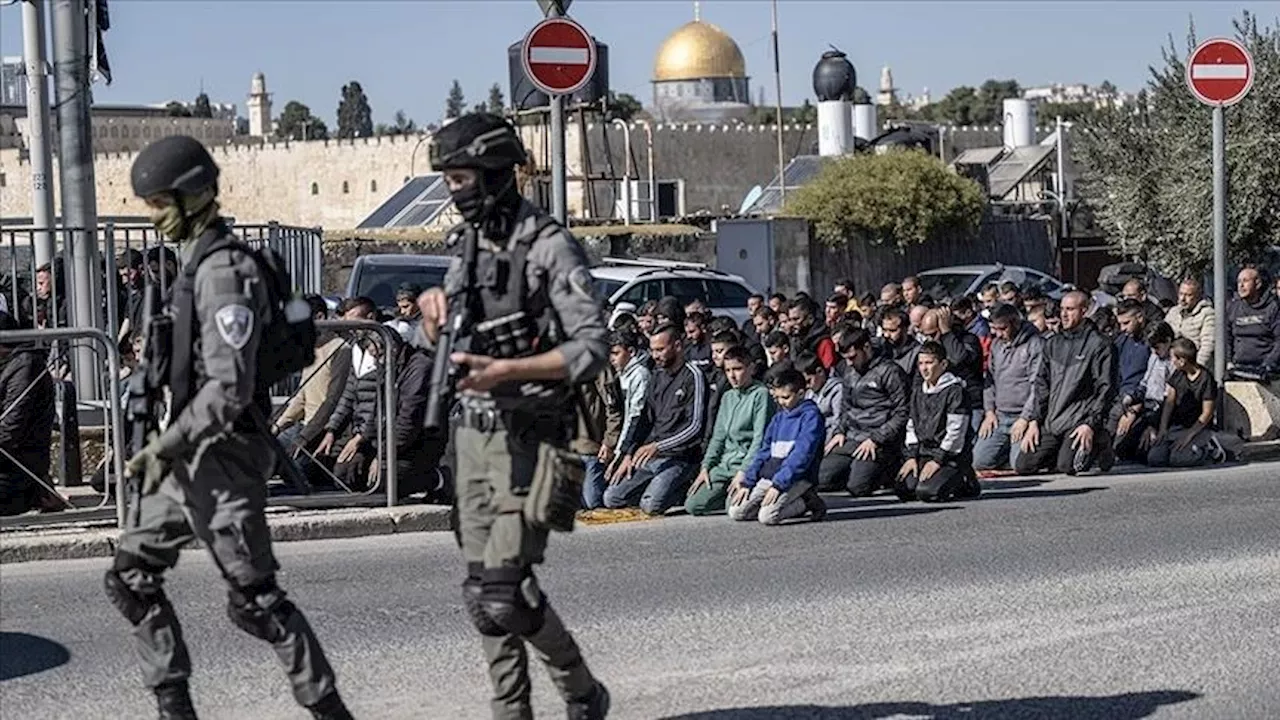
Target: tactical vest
(510,323)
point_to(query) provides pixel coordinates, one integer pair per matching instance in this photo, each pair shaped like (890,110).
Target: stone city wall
(336,184)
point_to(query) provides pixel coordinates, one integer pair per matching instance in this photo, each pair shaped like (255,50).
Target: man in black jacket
(418,451)
(660,458)
(1072,397)
(866,450)
(964,357)
(1253,329)
(26,430)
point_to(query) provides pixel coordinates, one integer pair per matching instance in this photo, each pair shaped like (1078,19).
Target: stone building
(700,76)
(127,128)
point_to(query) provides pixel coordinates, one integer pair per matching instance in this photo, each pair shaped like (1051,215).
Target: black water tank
(523,94)
(834,77)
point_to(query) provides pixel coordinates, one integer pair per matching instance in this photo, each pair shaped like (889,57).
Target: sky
(406,53)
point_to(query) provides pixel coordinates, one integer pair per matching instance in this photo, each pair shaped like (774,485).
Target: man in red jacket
(810,335)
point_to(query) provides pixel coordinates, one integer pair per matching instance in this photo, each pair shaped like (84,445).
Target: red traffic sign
(559,56)
(1220,72)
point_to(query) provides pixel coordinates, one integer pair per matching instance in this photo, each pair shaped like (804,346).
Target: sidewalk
(58,537)
(97,538)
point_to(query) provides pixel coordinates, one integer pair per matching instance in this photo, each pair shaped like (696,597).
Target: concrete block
(332,524)
(422,518)
(57,547)
(1252,410)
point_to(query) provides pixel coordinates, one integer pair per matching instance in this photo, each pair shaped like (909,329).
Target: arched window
(346,188)
(315,188)
(373,186)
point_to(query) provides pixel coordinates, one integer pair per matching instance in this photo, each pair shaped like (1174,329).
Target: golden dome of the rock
(699,50)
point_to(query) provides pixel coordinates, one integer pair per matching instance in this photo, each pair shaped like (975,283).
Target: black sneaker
(1107,457)
(969,488)
(173,701)
(330,707)
(595,707)
(814,505)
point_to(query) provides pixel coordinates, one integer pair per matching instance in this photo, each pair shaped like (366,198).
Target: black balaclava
(491,203)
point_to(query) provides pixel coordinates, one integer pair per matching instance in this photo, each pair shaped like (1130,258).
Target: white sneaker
(1217,453)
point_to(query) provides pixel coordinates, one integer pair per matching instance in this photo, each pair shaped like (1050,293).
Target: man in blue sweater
(779,484)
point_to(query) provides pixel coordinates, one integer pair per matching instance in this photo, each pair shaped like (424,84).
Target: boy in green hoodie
(740,422)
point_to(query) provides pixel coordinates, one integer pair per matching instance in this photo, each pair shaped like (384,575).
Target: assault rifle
(454,336)
(147,380)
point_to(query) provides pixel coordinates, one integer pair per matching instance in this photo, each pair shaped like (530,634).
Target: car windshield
(946,286)
(606,288)
(379,282)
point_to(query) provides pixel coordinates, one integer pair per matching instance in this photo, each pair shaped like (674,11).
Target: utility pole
(777,82)
(38,131)
(75,166)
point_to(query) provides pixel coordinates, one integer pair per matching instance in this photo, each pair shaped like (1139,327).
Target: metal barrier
(115,426)
(386,446)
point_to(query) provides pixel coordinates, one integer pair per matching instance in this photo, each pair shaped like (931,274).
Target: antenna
(697,11)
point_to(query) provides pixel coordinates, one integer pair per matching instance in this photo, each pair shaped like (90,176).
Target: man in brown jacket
(599,428)
(1192,318)
(301,426)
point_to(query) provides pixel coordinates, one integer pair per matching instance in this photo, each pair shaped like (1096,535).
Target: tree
(496,101)
(957,108)
(456,104)
(177,109)
(1107,88)
(297,123)
(479,108)
(1146,170)
(1076,112)
(989,106)
(624,106)
(902,197)
(402,125)
(355,117)
(202,108)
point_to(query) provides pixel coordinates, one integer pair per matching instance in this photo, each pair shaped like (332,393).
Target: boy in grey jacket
(824,389)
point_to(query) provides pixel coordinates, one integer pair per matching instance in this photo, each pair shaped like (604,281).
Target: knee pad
(262,610)
(471,592)
(133,604)
(512,599)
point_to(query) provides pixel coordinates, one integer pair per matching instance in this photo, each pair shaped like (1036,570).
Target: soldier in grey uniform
(538,330)
(203,476)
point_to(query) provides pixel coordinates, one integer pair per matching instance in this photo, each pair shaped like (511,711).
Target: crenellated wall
(336,184)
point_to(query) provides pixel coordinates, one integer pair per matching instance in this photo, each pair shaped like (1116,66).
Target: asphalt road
(1101,597)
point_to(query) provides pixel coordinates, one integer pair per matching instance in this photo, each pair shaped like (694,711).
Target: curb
(1267,451)
(74,543)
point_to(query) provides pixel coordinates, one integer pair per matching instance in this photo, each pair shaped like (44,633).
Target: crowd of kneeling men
(902,394)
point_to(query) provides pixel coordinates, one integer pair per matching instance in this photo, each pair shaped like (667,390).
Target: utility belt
(550,496)
(511,336)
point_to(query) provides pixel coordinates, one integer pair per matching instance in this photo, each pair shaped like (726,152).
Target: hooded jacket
(817,341)
(1253,332)
(875,404)
(791,448)
(939,424)
(904,355)
(1197,325)
(1012,373)
(1075,385)
(739,427)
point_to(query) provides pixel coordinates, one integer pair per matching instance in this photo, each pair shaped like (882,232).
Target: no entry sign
(1220,72)
(559,56)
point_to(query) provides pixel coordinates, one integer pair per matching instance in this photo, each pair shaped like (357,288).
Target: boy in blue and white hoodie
(779,483)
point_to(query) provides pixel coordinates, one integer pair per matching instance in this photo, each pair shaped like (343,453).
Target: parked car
(378,276)
(627,284)
(946,284)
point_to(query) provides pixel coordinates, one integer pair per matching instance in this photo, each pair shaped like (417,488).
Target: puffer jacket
(939,424)
(1198,326)
(1076,382)
(875,404)
(357,411)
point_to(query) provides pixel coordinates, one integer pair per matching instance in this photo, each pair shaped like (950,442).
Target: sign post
(1220,73)
(559,58)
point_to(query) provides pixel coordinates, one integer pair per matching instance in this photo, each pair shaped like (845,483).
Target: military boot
(330,707)
(595,707)
(173,701)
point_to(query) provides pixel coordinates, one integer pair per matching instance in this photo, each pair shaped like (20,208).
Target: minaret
(259,107)
(888,94)
(697,11)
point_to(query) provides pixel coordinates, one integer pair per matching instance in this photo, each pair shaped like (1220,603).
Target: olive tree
(1147,170)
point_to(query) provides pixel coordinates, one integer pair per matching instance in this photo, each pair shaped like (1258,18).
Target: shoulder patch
(581,282)
(235,325)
